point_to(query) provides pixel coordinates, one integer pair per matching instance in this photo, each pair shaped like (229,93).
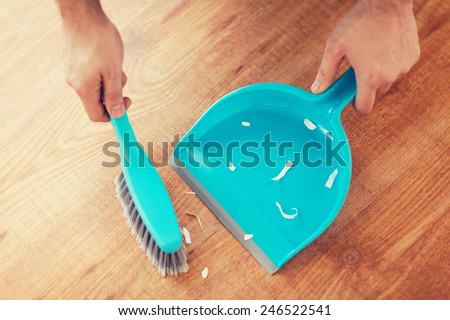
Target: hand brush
(147,205)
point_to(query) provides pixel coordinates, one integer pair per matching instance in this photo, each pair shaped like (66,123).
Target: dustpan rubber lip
(225,218)
(270,266)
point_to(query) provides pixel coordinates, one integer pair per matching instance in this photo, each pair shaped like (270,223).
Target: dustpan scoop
(227,160)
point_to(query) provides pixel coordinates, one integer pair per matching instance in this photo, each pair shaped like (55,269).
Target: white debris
(309,124)
(189,192)
(198,219)
(285,215)
(283,172)
(248,237)
(331,178)
(205,273)
(187,236)
(231,166)
(245,124)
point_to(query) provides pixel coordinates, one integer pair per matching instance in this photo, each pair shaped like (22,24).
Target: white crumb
(331,178)
(248,237)
(283,172)
(187,236)
(231,166)
(198,219)
(205,273)
(309,124)
(189,192)
(285,215)
(245,124)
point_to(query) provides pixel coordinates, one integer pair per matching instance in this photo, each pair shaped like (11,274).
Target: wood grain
(62,235)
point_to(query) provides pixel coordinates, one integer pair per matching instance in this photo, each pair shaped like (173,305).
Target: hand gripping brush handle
(147,205)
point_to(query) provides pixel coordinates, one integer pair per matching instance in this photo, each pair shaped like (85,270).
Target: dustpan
(224,160)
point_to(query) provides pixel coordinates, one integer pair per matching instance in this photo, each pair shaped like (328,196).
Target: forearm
(74,12)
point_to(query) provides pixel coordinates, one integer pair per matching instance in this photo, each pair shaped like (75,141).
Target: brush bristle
(171,264)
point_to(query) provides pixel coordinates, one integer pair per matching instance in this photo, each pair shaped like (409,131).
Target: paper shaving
(283,172)
(205,273)
(245,124)
(285,215)
(248,237)
(309,124)
(189,192)
(187,236)
(231,166)
(198,219)
(331,178)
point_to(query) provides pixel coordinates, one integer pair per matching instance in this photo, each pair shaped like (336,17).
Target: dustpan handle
(343,91)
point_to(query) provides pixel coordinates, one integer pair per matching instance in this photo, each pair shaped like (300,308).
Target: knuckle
(323,74)
(70,76)
(332,42)
(113,96)
(416,56)
(404,70)
(113,73)
(79,89)
(68,80)
(333,47)
(79,85)
(389,78)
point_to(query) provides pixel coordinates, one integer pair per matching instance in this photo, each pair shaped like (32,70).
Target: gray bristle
(171,264)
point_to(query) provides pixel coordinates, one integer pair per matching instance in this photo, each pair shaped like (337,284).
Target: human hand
(379,39)
(93,54)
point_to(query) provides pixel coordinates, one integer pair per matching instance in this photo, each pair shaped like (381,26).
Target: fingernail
(315,86)
(117,110)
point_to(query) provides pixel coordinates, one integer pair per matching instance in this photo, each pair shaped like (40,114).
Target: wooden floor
(62,234)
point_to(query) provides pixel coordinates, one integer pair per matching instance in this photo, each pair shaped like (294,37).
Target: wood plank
(62,235)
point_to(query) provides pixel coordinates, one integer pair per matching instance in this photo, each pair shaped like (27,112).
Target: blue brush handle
(147,189)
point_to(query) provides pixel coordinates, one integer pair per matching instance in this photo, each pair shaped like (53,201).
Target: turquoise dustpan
(273,163)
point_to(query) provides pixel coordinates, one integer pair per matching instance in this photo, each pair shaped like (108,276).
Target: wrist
(77,12)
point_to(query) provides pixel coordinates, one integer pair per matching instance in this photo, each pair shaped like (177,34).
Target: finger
(90,95)
(124,79)
(127,102)
(94,107)
(112,91)
(329,66)
(365,95)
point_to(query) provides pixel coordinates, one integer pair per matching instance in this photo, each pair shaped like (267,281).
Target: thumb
(329,66)
(112,91)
